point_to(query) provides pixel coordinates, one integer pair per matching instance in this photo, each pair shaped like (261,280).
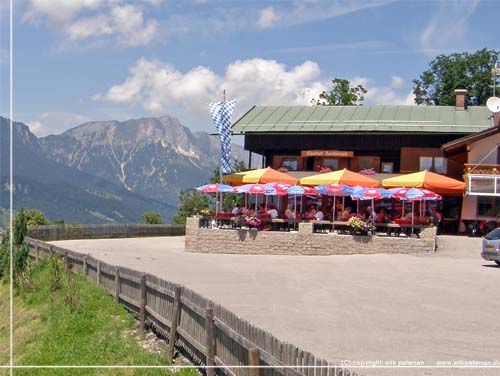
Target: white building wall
(469,205)
(479,150)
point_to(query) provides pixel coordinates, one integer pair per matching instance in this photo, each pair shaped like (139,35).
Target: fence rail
(204,331)
(70,232)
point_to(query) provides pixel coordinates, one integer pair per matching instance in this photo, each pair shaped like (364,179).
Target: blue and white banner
(221,115)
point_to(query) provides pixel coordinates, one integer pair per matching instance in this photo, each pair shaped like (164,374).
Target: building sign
(327,153)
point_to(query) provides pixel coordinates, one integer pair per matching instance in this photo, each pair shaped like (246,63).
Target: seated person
(250,212)
(370,215)
(260,209)
(319,215)
(272,212)
(236,210)
(383,217)
(347,214)
(289,213)
(309,214)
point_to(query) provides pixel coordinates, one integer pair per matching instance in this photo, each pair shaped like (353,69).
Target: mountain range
(107,171)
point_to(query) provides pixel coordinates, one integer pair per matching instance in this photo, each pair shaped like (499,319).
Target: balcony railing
(480,169)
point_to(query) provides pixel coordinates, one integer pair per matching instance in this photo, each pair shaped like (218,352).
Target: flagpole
(220,168)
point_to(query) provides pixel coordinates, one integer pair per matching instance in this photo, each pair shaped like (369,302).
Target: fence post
(85,266)
(176,315)
(142,312)
(98,277)
(253,361)
(210,340)
(117,285)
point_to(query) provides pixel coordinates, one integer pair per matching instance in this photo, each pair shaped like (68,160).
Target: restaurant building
(479,152)
(381,140)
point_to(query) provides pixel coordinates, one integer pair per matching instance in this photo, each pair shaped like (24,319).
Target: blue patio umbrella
(214,188)
(334,190)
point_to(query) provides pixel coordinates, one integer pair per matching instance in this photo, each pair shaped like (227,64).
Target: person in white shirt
(236,210)
(272,212)
(319,215)
(289,213)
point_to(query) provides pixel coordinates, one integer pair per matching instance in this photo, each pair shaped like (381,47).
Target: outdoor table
(321,225)
(340,226)
(279,224)
(397,228)
(223,219)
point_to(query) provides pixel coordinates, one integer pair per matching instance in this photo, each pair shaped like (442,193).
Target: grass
(49,329)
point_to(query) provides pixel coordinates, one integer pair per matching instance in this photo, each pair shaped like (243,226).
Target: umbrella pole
(412,203)
(373,211)
(294,210)
(333,208)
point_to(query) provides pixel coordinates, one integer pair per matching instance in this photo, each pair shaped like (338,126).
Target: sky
(88,60)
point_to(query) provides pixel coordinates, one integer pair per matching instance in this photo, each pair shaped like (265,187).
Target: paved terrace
(436,307)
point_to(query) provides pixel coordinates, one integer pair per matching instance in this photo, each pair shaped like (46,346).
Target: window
(290,164)
(488,206)
(440,165)
(387,167)
(425,163)
(332,163)
(435,164)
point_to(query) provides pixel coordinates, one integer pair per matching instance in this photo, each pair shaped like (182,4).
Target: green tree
(229,200)
(151,218)
(35,217)
(192,202)
(20,250)
(342,94)
(471,71)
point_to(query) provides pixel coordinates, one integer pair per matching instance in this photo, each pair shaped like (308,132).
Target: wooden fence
(69,232)
(205,332)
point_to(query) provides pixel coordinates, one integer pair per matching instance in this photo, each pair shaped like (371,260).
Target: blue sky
(81,60)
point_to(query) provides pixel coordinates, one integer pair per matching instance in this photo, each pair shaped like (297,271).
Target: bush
(151,218)
(35,217)
(20,251)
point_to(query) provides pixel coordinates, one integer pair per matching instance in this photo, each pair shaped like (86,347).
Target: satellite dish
(493,104)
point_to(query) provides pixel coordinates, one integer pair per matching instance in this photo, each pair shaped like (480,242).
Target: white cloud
(448,26)
(396,81)
(88,27)
(268,17)
(380,95)
(45,123)
(128,22)
(159,87)
(59,10)
(115,21)
(313,11)
(38,128)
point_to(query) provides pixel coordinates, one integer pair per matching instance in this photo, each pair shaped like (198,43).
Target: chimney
(461,99)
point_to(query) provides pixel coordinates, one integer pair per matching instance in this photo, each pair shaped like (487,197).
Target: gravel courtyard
(427,308)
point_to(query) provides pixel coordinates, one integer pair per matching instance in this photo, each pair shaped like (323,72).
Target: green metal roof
(331,119)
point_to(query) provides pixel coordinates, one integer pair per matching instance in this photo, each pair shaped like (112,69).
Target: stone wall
(301,242)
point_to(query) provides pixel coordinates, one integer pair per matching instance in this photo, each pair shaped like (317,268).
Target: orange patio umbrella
(428,180)
(341,177)
(261,176)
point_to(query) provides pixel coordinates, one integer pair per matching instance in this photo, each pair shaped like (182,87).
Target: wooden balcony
(482,169)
